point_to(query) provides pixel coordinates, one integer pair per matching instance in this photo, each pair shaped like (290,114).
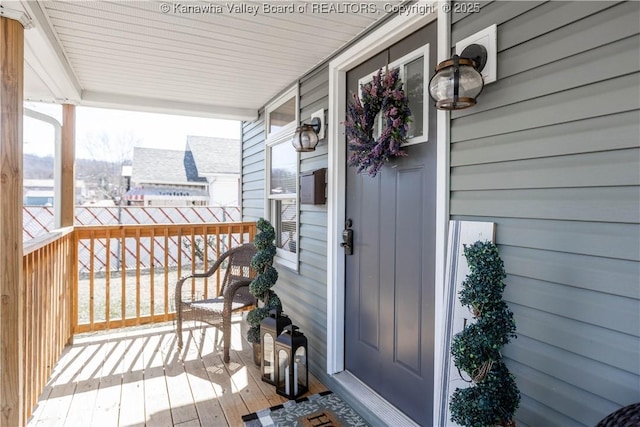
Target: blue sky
(148,129)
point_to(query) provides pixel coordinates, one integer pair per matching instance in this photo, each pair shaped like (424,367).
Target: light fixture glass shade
(456,84)
(305,138)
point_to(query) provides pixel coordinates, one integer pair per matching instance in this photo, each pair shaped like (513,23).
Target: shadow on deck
(136,377)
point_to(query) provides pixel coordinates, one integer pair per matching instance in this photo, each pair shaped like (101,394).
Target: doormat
(318,410)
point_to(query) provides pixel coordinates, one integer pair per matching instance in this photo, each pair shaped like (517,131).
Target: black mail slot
(312,187)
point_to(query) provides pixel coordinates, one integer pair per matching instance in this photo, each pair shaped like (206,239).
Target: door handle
(347,237)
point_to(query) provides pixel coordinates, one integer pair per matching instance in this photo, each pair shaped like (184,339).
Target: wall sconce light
(457,81)
(306,136)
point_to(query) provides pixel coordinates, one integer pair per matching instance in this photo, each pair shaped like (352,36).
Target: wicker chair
(234,294)
(628,416)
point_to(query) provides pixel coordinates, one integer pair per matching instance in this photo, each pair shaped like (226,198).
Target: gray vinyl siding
(311,282)
(253,178)
(551,154)
(303,293)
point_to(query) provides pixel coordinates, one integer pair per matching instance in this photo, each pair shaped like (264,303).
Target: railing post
(73,285)
(67,164)
(12,401)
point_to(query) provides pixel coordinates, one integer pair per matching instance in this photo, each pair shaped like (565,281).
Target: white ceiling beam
(13,10)
(46,58)
(165,106)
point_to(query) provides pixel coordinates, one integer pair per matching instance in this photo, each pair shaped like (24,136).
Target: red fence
(38,220)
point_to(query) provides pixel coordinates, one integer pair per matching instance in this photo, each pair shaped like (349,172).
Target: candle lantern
(270,328)
(292,373)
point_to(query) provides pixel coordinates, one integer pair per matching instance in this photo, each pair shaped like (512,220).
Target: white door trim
(442,219)
(383,37)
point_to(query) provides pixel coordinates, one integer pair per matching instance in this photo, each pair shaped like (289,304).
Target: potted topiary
(260,287)
(493,397)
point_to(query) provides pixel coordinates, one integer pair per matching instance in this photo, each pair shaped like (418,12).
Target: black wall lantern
(292,372)
(306,136)
(457,81)
(270,328)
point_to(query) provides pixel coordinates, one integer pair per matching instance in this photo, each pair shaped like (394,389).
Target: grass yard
(141,291)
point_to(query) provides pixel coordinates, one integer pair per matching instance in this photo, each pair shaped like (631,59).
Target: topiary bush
(267,275)
(494,396)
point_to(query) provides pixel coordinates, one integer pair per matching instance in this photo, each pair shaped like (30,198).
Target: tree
(108,155)
(262,263)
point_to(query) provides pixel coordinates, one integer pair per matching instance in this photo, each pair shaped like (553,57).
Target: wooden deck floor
(137,377)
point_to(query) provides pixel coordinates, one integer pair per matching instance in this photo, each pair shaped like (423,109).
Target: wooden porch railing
(129,281)
(49,277)
(132,269)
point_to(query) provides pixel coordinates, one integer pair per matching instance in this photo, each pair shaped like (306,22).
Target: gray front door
(389,332)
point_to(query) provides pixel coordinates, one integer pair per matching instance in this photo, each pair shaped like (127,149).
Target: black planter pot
(257,354)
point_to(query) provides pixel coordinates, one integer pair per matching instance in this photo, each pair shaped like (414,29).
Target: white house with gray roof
(218,161)
(207,172)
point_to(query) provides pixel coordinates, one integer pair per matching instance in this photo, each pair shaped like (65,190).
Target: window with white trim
(282,170)
(414,69)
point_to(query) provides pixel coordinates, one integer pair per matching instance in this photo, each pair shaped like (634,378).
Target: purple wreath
(384,94)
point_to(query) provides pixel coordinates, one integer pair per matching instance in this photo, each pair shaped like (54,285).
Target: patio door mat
(318,410)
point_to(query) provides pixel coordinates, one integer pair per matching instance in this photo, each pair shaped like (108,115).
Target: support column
(11,298)
(68,176)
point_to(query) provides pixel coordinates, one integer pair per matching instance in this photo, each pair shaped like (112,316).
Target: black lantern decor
(457,81)
(292,372)
(270,328)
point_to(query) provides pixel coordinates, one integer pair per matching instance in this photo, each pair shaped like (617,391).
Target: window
(414,86)
(414,69)
(282,177)
(281,116)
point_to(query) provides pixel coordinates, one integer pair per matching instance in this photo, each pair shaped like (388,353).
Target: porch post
(11,298)
(67,155)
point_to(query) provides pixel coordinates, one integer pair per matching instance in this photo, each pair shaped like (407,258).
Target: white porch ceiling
(169,57)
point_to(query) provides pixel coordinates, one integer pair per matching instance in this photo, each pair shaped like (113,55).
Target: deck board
(245,356)
(110,388)
(138,377)
(132,410)
(206,399)
(232,404)
(156,396)
(53,408)
(183,408)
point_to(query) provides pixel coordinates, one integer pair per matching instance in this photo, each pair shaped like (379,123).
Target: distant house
(207,172)
(40,192)
(218,160)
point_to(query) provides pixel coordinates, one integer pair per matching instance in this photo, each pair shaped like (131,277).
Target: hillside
(36,167)
(95,173)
